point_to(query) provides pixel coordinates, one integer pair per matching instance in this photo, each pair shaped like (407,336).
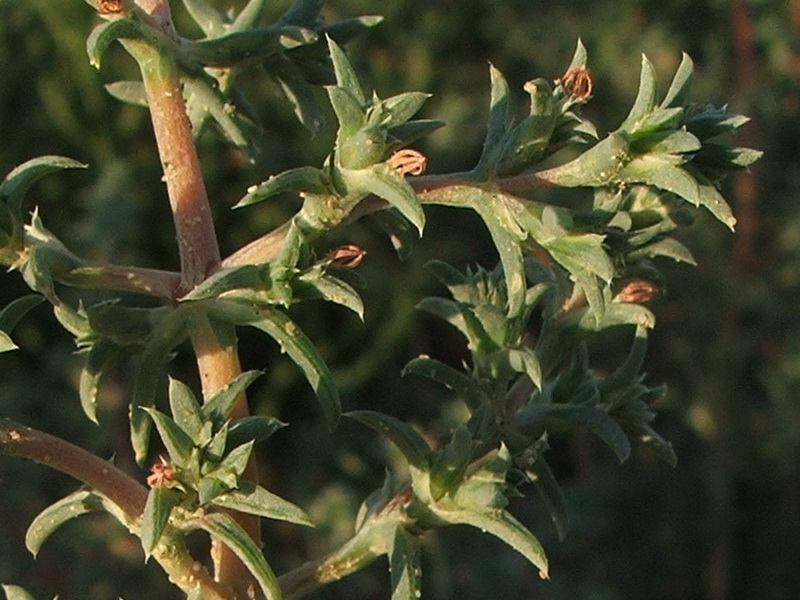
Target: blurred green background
(723,525)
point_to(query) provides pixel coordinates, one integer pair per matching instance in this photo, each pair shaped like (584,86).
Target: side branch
(116,485)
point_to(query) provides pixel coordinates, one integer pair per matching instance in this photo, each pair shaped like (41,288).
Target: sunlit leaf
(450,463)
(346,77)
(645,98)
(407,440)
(177,442)
(185,409)
(51,518)
(301,179)
(219,406)
(222,527)
(254,499)
(404,566)
(160,502)
(502,525)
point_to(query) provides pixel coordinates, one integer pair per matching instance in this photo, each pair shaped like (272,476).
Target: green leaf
(446,310)
(712,200)
(6,344)
(390,185)
(20,179)
(253,427)
(499,123)
(679,88)
(507,236)
(177,442)
(301,95)
(404,565)
(536,419)
(222,527)
(166,335)
(131,92)
(15,592)
(300,349)
(51,518)
(407,440)
(185,409)
(502,525)
(249,15)
(397,109)
(219,406)
(524,360)
(249,45)
(450,463)
(551,494)
(645,98)
(462,384)
(583,253)
(255,500)
(301,179)
(160,502)
(13,312)
(102,355)
(107,33)
(346,77)
(316,283)
(659,172)
(206,16)
(349,112)
(667,247)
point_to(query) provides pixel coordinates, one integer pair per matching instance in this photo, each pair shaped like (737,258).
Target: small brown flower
(637,291)
(348,256)
(110,7)
(577,83)
(160,473)
(408,161)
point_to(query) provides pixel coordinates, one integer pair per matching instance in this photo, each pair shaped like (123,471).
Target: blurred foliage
(725,524)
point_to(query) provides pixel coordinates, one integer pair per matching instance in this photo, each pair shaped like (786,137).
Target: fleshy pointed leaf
(99,358)
(254,499)
(222,527)
(106,34)
(319,284)
(407,440)
(679,88)
(301,179)
(253,427)
(348,109)
(404,565)
(450,463)
(51,518)
(177,442)
(222,401)
(20,179)
(462,384)
(13,312)
(6,343)
(502,525)
(15,592)
(388,184)
(131,92)
(345,75)
(166,335)
(524,360)
(302,351)
(155,518)
(551,494)
(206,16)
(499,122)
(185,409)
(645,97)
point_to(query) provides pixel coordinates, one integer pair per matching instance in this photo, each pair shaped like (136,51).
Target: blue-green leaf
(185,408)
(301,179)
(645,98)
(407,440)
(302,351)
(222,527)
(219,406)
(177,442)
(106,34)
(462,384)
(504,526)
(51,518)
(15,592)
(404,565)
(20,179)
(160,502)
(390,185)
(345,75)
(99,358)
(450,463)
(254,499)
(551,494)
(679,88)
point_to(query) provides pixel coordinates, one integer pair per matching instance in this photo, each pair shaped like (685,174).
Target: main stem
(216,350)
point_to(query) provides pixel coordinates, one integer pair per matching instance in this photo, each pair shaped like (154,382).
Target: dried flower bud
(160,473)
(110,7)
(348,256)
(637,291)
(577,83)
(408,161)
